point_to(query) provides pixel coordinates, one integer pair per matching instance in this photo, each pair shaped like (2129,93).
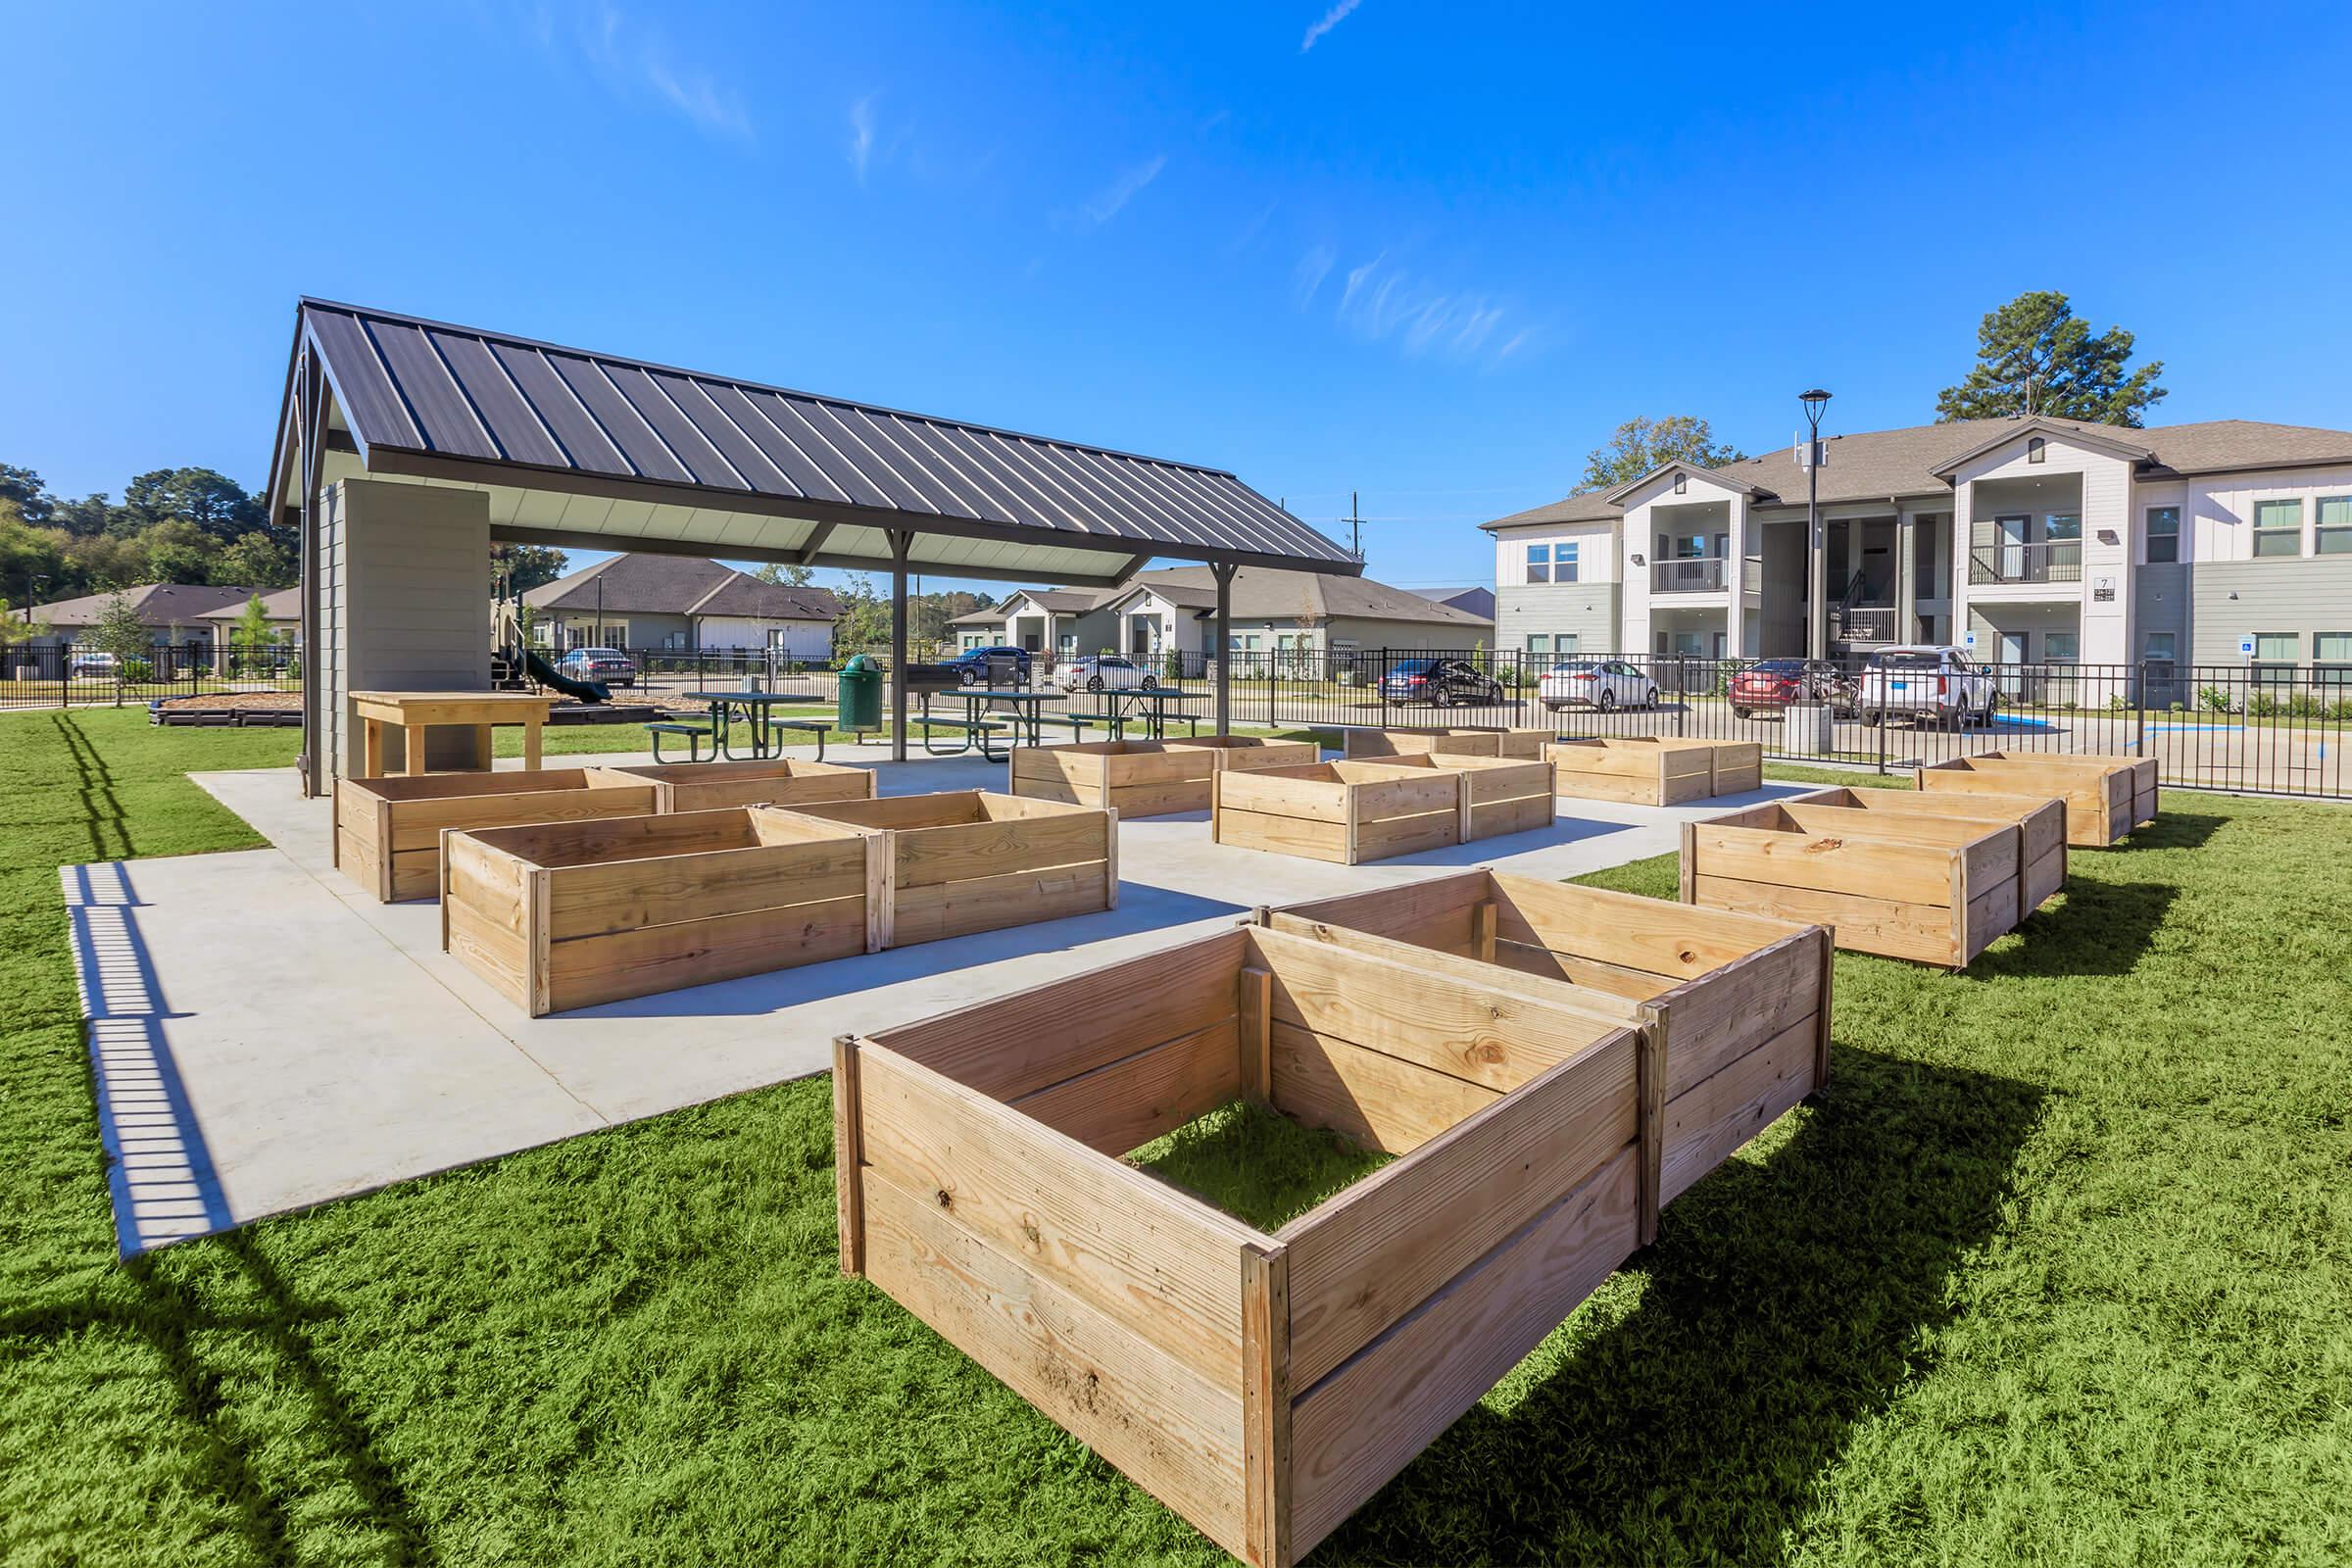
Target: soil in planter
(1257,1164)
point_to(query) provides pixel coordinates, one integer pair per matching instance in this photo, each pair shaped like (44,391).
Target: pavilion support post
(1224,647)
(901,544)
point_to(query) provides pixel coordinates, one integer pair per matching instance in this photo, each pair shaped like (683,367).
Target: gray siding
(2299,594)
(406,603)
(2160,596)
(1413,636)
(1585,611)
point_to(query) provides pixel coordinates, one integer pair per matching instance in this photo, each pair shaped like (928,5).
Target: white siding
(2217,511)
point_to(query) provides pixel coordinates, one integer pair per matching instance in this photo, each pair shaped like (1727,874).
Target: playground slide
(546,674)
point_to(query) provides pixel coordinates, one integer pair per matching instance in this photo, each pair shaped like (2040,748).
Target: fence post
(2139,708)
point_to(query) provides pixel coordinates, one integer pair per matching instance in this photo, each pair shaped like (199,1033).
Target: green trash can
(858,707)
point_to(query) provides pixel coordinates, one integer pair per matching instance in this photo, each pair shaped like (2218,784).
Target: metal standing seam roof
(430,400)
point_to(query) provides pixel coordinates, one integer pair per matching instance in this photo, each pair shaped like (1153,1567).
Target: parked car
(1926,683)
(971,665)
(1104,672)
(1775,683)
(1603,683)
(95,664)
(607,666)
(1438,683)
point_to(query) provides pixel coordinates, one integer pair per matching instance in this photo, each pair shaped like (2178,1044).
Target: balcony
(1863,624)
(2055,561)
(1703,574)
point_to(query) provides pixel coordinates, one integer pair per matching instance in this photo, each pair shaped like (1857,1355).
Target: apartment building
(2028,540)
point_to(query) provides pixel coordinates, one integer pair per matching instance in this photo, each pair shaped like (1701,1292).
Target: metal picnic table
(758,710)
(1023,706)
(1152,703)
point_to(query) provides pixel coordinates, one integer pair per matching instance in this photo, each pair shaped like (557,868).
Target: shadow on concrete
(1142,909)
(159,1170)
(1478,852)
(1785,1302)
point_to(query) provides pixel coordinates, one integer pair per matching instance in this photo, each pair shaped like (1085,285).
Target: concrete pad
(267,1036)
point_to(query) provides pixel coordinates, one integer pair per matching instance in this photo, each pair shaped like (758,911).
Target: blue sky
(1434,254)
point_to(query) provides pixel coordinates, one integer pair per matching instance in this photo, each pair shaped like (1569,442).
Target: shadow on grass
(1786,1301)
(109,828)
(2096,928)
(2172,830)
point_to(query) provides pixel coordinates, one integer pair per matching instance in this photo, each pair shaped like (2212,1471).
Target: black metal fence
(68,675)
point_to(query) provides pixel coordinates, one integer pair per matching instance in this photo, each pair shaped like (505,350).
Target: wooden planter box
(716,786)
(973,861)
(1143,778)
(1264,1386)
(1353,811)
(1655,770)
(388,830)
(1523,745)
(1933,893)
(2041,851)
(568,914)
(2106,797)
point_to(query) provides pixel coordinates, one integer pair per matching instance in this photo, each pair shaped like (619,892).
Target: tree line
(191,526)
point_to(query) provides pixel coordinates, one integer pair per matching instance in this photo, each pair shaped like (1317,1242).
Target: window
(2276,654)
(1539,563)
(2278,528)
(1539,645)
(2036,450)
(2332,658)
(2162,647)
(2060,647)
(2336,526)
(1563,557)
(2164,534)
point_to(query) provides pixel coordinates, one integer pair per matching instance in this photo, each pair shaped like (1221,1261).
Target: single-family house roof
(158,603)
(680,585)
(283,604)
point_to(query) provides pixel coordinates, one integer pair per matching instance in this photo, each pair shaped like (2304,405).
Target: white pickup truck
(1926,683)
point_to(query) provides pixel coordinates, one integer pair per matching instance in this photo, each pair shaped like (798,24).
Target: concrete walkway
(267,1037)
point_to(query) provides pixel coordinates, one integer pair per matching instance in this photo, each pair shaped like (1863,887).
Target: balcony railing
(1703,574)
(1865,624)
(2054,560)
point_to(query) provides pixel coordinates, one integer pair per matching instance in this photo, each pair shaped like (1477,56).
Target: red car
(1778,682)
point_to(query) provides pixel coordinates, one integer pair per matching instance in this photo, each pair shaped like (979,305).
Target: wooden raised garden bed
(1933,892)
(1143,778)
(1523,745)
(1655,770)
(568,914)
(2041,873)
(769,781)
(973,861)
(1353,811)
(2106,797)
(1264,1386)
(388,830)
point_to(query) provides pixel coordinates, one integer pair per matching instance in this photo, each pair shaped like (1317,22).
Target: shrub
(2213,699)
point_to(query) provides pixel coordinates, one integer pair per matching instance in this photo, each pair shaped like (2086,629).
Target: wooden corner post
(1821,1038)
(1266,1404)
(849,1197)
(1689,867)
(1649,1103)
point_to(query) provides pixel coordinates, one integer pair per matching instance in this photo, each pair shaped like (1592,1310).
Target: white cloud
(1308,276)
(861,135)
(636,60)
(1383,304)
(1104,204)
(1331,18)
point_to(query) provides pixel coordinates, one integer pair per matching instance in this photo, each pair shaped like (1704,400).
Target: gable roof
(283,604)
(1875,465)
(679,585)
(158,603)
(777,474)
(1258,594)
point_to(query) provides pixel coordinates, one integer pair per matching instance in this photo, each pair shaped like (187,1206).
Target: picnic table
(1152,703)
(1024,706)
(414,713)
(759,711)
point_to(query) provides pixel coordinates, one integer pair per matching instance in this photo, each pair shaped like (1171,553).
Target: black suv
(971,667)
(1439,683)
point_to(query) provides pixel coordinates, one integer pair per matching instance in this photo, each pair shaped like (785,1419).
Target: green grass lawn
(2059,1270)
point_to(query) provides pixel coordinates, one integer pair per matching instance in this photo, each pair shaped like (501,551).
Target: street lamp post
(1817,555)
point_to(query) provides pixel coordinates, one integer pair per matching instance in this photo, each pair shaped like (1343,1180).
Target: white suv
(1926,683)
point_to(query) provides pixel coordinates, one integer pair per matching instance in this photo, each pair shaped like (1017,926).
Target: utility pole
(1356,524)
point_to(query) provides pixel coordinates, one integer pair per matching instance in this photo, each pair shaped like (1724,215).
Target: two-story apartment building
(2029,540)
